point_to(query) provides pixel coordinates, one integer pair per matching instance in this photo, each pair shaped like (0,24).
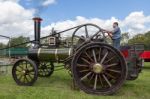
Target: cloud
(15,20)
(9,0)
(39,6)
(62,25)
(48,2)
(135,22)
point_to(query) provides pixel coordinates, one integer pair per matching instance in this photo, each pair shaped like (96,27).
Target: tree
(124,38)
(19,40)
(141,38)
(2,45)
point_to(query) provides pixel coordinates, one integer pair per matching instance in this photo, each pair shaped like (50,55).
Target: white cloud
(135,22)
(15,20)
(48,2)
(41,2)
(9,0)
(62,25)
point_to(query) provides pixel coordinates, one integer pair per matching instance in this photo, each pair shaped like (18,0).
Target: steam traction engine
(96,66)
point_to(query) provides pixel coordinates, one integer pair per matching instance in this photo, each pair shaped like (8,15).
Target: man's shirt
(116,33)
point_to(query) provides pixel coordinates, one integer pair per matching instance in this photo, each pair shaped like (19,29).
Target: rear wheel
(139,64)
(138,68)
(25,72)
(99,69)
(45,69)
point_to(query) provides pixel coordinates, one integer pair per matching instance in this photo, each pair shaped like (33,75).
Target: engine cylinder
(42,54)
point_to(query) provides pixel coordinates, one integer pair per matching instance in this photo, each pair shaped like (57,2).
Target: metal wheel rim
(105,77)
(45,69)
(24,72)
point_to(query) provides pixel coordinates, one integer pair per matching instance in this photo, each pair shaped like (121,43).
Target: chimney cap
(37,19)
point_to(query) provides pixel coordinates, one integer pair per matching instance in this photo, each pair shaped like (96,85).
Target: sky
(104,9)
(16,15)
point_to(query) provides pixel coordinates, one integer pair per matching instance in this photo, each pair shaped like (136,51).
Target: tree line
(142,39)
(16,40)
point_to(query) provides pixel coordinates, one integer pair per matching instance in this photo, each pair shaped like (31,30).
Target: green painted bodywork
(14,52)
(54,54)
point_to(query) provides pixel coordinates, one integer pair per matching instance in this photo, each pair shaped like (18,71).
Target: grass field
(58,87)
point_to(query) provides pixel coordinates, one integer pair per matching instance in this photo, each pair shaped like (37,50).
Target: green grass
(58,87)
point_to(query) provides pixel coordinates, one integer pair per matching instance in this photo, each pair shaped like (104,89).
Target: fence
(8,57)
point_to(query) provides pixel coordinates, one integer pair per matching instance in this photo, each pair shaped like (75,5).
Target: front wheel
(25,72)
(99,68)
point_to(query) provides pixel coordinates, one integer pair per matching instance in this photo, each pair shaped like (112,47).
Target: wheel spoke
(88,56)
(91,77)
(111,65)
(116,71)
(45,71)
(30,76)
(79,37)
(31,73)
(20,77)
(94,56)
(84,77)
(49,66)
(29,66)
(107,80)
(109,59)
(21,66)
(18,70)
(99,56)
(82,65)
(32,70)
(85,60)
(95,83)
(101,80)
(26,78)
(108,74)
(84,70)
(48,70)
(86,32)
(104,57)
(18,73)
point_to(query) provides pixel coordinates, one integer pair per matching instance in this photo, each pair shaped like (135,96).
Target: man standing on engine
(116,35)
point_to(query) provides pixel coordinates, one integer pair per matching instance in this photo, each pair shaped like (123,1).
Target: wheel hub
(25,72)
(97,68)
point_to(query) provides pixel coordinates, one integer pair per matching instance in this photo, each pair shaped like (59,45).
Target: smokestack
(37,30)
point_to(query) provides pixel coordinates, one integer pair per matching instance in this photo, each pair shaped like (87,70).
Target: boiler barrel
(42,54)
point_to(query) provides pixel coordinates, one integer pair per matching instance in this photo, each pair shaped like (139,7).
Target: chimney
(37,31)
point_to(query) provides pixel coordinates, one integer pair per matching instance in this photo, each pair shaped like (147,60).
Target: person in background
(115,35)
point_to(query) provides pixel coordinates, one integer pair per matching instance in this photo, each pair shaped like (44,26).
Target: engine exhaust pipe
(37,31)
